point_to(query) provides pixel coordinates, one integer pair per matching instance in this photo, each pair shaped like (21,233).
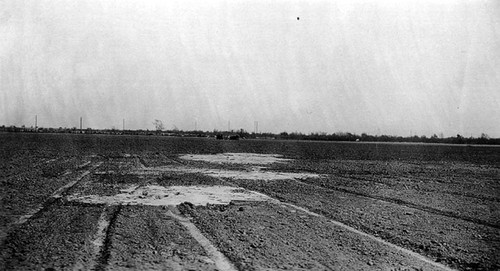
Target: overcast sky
(380,67)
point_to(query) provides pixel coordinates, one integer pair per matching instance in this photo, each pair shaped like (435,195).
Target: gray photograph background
(379,67)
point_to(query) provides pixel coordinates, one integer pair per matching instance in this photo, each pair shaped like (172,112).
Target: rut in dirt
(56,195)
(105,252)
(461,193)
(408,204)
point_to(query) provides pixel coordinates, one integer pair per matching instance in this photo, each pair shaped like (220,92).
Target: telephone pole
(36,121)
(80,124)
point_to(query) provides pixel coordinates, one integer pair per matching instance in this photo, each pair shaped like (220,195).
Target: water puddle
(163,196)
(237,158)
(254,173)
(254,170)
(258,175)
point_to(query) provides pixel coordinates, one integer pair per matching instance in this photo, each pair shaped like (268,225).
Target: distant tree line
(243,134)
(458,139)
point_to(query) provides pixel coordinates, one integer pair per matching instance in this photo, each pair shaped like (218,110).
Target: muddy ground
(117,202)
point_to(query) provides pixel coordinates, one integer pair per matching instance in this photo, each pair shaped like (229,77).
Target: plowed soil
(263,205)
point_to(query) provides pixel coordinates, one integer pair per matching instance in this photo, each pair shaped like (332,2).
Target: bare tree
(158,125)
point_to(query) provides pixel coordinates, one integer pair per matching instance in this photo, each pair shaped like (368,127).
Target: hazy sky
(380,67)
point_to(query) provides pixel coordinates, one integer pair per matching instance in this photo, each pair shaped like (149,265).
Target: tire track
(223,263)
(97,242)
(464,193)
(353,230)
(220,260)
(55,196)
(102,238)
(373,238)
(407,204)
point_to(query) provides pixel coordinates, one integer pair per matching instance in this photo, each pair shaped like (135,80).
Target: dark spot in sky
(298,18)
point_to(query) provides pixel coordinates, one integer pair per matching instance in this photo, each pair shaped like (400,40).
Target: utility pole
(36,121)
(80,124)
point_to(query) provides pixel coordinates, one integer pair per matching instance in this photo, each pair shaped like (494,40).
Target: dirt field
(95,202)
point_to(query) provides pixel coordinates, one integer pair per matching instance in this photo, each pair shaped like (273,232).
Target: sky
(415,67)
